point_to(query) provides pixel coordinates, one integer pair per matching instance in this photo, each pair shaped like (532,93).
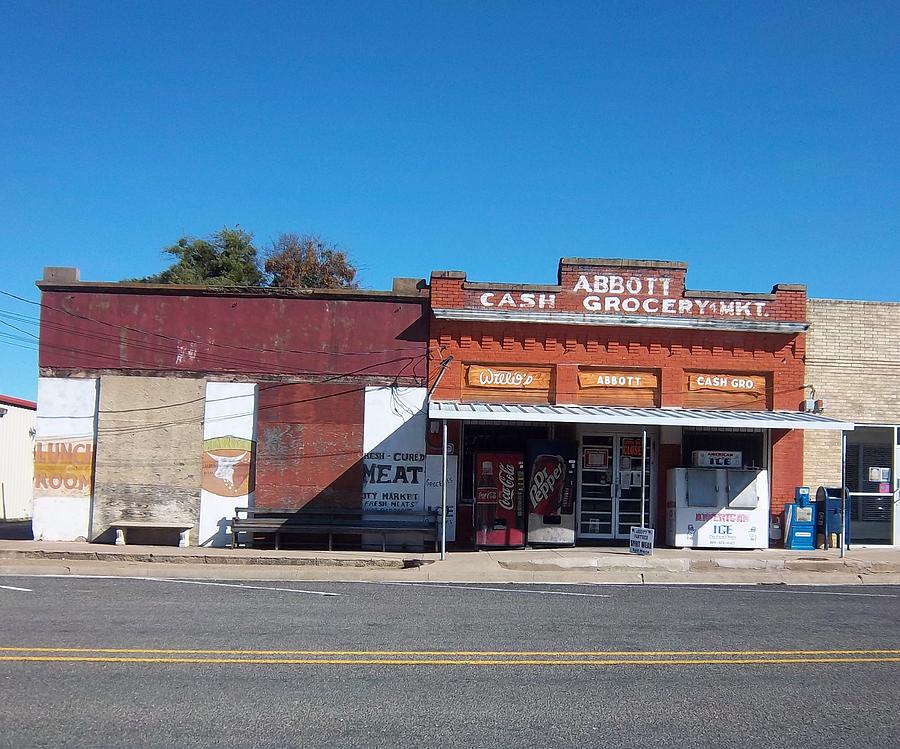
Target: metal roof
(8,400)
(685,417)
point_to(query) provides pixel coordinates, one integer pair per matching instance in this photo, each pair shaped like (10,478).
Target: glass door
(628,479)
(595,486)
(870,480)
(609,485)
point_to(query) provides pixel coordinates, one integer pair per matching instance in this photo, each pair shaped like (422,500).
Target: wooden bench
(122,526)
(332,523)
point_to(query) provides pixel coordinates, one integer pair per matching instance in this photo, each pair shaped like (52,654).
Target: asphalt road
(151,663)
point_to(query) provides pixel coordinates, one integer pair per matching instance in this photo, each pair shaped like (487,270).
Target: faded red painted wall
(120,328)
(309,445)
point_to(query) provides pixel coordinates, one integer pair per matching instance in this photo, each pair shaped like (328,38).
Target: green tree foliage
(308,262)
(229,258)
(225,258)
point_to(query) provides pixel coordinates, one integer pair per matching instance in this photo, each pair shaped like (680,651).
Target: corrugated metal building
(16,457)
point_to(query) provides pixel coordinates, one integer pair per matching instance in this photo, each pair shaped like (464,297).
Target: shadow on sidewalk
(15,530)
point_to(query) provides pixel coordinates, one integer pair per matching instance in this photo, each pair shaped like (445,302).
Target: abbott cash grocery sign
(645,289)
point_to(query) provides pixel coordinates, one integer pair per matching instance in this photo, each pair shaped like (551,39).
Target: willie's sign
(507,378)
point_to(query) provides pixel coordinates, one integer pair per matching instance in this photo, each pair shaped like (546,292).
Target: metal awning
(682,417)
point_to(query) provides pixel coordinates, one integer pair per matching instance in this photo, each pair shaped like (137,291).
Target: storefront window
(870,480)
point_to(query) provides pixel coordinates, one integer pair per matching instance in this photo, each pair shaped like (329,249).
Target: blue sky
(757,141)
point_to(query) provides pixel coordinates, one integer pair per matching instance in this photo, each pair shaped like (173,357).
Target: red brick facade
(669,352)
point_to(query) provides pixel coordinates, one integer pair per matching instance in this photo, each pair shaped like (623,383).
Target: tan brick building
(853,363)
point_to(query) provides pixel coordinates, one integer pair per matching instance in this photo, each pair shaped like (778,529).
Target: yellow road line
(492,653)
(448,662)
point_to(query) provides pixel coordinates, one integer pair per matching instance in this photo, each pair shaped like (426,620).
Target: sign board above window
(618,387)
(725,390)
(630,379)
(727,383)
(506,384)
(507,378)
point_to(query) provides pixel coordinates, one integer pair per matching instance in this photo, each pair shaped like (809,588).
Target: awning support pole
(845,505)
(643,474)
(444,492)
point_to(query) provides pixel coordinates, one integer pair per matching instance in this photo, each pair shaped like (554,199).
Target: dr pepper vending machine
(551,491)
(499,501)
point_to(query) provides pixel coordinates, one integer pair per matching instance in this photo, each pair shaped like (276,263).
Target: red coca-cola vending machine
(551,492)
(499,501)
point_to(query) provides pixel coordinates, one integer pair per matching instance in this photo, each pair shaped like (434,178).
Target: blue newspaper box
(800,522)
(829,513)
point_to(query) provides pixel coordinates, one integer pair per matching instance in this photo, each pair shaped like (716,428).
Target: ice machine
(718,508)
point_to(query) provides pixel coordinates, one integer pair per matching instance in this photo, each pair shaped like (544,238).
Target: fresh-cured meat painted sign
(507,378)
(393,460)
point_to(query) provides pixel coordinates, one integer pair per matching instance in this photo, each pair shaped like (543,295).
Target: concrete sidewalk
(570,565)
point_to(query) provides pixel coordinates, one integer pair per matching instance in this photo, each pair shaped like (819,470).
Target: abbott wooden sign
(618,387)
(507,378)
(618,380)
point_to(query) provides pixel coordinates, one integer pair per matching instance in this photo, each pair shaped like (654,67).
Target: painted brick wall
(787,302)
(853,362)
(776,356)
(309,445)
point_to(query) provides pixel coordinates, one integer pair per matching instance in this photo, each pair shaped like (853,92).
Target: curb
(599,569)
(183,559)
(646,564)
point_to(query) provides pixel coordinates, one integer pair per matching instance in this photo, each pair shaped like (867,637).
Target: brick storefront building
(853,363)
(568,407)
(176,404)
(616,351)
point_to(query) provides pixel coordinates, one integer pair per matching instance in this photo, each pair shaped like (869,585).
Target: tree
(225,258)
(308,262)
